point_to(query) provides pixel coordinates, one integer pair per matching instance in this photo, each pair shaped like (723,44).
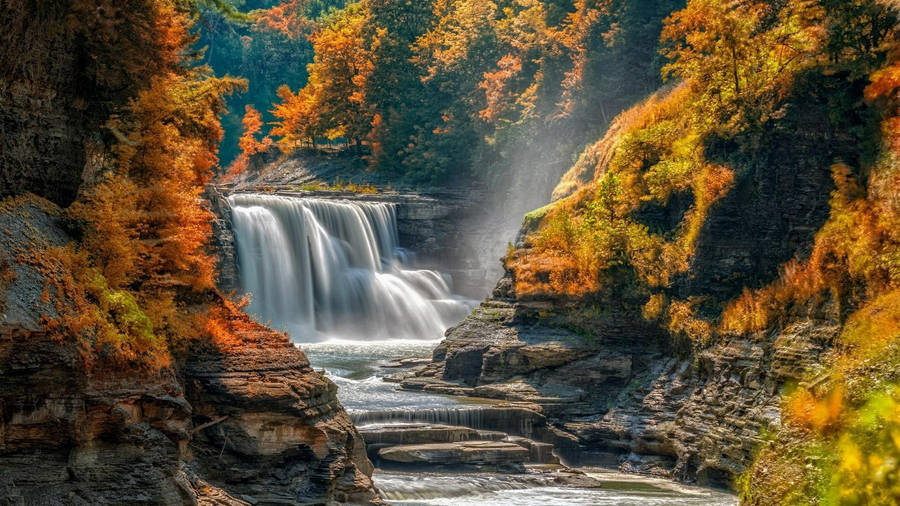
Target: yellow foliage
(683,322)
(654,307)
(651,154)
(805,410)
(333,103)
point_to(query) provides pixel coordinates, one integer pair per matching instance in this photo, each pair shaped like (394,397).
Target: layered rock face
(618,396)
(269,427)
(45,112)
(250,425)
(69,437)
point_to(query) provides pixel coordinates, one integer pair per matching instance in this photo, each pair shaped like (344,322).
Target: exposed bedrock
(477,454)
(255,425)
(622,399)
(618,390)
(427,445)
(268,426)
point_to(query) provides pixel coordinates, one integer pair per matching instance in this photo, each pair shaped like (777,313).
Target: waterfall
(323,268)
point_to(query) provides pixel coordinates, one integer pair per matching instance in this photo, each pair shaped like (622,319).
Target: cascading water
(332,273)
(334,269)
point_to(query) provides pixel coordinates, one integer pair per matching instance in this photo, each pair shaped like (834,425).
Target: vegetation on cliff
(139,280)
(634,210)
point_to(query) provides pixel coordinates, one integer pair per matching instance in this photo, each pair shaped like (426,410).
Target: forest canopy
(408,84)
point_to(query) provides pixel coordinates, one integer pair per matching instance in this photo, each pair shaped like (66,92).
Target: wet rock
(270,427)
(406,362)
(521,419)
(416,434)
(223,244)
(468,453)
(539,453)
(622,399)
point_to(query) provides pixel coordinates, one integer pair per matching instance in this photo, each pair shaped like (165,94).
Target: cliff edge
(248,423)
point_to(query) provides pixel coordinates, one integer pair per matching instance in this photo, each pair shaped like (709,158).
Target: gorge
(292,249)
(270,252)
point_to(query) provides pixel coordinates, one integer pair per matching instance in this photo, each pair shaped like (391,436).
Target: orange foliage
(493,84)
(683,322)
(151,201)
(298,117)
(575,36)
(804,410)
(252,123)
(107,325)
(563,273)
(286,18)
(230,329)
(143,255)
(333,102)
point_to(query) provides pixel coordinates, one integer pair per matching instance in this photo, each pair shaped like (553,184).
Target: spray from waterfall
(324,268)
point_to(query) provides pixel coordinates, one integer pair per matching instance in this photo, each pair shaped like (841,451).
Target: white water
(331,273)
(357,369)
(333,269)
(484,489)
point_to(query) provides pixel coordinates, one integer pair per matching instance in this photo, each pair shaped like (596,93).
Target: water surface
(357,369)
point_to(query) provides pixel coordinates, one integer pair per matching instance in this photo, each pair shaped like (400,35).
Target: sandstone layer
(249,425)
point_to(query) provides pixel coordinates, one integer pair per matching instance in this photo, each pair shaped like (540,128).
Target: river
(333,274)
(357,368)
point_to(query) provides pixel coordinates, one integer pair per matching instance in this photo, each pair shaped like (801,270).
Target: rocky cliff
(624,389)
(246,424)
(613,391)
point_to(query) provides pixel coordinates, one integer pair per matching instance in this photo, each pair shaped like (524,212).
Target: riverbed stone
(467,453)
(539,453)
(408,434)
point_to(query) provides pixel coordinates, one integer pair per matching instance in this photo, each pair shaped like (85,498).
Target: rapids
(333,274)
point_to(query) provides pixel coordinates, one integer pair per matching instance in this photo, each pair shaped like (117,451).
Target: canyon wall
(250,424)
(622,389)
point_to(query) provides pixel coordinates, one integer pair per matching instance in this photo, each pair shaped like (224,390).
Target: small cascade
(324,268)
(508,419)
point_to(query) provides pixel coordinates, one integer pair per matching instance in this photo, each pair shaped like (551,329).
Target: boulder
(270,427)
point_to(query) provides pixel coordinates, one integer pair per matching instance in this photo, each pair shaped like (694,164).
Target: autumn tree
(144,246)
(249,144)
(337,85)
(269,47)
(450,85)
(298,117)
(394,89)
(741,56)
